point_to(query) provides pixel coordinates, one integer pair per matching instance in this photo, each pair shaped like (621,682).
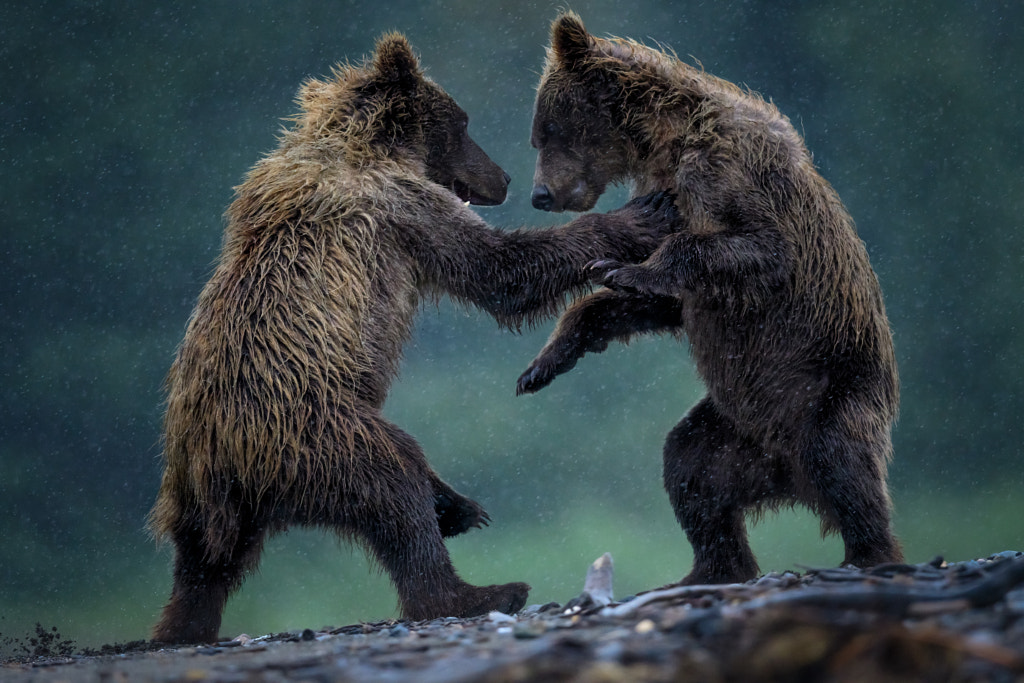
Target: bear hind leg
(398,517)
(713,479)
(202,585)
(847,474)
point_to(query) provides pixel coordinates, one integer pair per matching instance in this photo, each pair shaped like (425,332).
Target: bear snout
(542,198)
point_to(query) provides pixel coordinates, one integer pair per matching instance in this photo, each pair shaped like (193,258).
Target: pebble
(540,609)
(615,634)
(611,651)
(529,629)
(500,618)
(645,626)
(776,579)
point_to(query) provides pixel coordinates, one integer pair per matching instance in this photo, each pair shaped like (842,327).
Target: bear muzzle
(541,198)
(478,195)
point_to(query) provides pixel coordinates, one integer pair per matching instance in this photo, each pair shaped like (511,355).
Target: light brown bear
(274,400)
(766,277)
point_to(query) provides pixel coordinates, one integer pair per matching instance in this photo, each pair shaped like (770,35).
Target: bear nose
(508,178)
(542,198)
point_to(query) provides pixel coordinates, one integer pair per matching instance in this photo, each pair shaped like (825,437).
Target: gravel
(932,621)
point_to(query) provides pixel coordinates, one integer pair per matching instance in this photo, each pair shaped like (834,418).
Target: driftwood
(891,590)
(897,598)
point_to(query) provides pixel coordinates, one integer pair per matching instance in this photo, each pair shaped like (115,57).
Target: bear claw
(531,381)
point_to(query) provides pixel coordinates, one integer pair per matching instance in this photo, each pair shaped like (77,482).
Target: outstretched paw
(536,377)
(457,514)
(543,370)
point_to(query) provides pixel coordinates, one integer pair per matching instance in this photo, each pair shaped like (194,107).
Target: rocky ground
(929,622)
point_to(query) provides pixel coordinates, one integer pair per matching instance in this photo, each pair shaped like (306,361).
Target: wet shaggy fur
(273,408)
(766,277)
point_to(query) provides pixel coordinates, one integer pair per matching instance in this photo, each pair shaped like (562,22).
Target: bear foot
(737,572)
(885,552)
(507,598)
(457,514)
(181,625)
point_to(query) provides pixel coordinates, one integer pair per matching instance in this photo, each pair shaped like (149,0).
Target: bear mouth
(467,194)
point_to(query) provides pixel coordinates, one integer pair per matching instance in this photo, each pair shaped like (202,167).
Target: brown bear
(766,277)
(274,400)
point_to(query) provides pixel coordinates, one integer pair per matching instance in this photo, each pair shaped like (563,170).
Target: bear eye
(552,130)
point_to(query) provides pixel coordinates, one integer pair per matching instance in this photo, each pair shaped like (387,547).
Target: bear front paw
(615,275)
(544,369)
(534,379)
(659,203)
(656,211)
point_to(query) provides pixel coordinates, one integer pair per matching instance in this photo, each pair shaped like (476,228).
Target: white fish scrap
(598,584)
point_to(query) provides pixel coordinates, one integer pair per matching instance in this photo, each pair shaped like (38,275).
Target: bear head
(387,109)
(589,110)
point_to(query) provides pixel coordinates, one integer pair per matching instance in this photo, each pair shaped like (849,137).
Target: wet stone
(533,628)
(399,631)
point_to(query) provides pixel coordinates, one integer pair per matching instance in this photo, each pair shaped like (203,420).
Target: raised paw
(536,377)
(653,202)
(457,514)
(657,210)
(543,370)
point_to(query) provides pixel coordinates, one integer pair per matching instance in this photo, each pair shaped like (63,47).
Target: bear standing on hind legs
(766,277)
(274,399)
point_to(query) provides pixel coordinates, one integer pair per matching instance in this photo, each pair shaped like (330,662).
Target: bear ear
(569,39)
(394,61)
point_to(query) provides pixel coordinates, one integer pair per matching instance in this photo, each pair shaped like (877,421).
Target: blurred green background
(126,125)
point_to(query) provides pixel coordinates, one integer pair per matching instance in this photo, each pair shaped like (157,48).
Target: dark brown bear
(766,277)
(274,399)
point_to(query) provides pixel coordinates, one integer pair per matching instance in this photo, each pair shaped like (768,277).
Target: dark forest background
(125,126)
